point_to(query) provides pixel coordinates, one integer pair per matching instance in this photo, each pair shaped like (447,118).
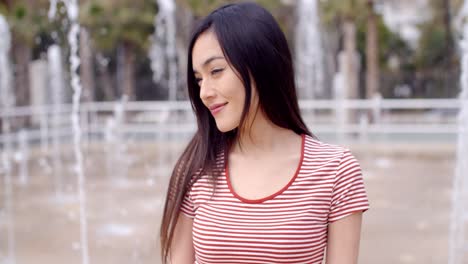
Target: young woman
(254,185)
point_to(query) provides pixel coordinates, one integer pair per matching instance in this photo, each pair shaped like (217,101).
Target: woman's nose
(206,90)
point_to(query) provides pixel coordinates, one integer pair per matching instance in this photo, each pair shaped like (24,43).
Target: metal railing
(344,120)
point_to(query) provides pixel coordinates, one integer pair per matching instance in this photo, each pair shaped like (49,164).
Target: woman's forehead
(205,49)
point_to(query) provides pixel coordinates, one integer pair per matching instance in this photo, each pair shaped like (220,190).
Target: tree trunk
(448,33)
(87,67)
(351,61)
(105,81)
(128,73)
(7,3)
(350,67)
(372,53)
(22,54)
(184,21)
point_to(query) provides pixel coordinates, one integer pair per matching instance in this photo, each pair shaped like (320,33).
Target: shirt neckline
(271,196)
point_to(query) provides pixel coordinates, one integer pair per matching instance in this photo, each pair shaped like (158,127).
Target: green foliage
(389,43)
(436,43)
(338,10)
(95,10)
(202,8)
(20,12)
(333,12)
(3,9)
(111,23)
(432,46)
(27,19)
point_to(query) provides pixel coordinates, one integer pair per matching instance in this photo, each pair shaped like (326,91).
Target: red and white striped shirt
(289,226)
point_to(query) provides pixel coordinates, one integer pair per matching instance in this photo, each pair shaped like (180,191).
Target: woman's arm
(182,251)
(343,240)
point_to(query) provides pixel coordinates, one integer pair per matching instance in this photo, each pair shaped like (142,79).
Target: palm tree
(347,14)
(443,14)
(27,21)
(372,53)
(87,66)
(436,59)
(122,25)
(342,13)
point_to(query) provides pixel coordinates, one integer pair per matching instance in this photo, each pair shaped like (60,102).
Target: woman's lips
(217,108)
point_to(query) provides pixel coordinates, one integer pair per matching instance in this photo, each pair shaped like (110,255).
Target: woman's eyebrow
(210,59)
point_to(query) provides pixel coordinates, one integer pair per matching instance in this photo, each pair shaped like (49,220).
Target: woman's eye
(198,80)
(215,71)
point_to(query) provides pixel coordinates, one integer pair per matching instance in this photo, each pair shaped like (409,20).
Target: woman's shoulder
(316,149)
(320,146)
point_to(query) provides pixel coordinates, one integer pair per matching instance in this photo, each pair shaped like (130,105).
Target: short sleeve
(187,207)
(349,194)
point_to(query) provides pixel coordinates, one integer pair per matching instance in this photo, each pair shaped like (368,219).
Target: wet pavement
(409,187)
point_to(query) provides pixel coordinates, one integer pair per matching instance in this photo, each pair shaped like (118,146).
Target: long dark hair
(254,45)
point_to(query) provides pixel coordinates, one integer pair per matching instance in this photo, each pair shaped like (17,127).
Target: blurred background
(94,114)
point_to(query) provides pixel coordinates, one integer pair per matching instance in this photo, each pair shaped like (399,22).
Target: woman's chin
(225,127)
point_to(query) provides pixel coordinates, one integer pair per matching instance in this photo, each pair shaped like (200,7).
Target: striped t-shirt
(289,226)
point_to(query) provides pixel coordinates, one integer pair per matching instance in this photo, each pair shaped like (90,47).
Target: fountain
(72,12)
(7,100)
(52,9)
(116,159)
(458,241)
(49,129)
(6,104)
(22,157)
(121,216)
(309,51)
(163,50)
(73,34)
(56,91)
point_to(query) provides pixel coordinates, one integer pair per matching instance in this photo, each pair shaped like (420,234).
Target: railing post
(44,130)
(376,108)
(341,111)
(84,124)
(23,158)
(363,128)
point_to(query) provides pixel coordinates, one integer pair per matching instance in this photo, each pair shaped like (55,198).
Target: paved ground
(409,189)
(408,186)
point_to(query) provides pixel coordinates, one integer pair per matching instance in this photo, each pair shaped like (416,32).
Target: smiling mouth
(217,108)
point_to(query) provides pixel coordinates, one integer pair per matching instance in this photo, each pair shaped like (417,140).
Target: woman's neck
(262,136)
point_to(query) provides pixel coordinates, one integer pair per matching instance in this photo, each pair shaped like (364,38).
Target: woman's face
(221,90)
